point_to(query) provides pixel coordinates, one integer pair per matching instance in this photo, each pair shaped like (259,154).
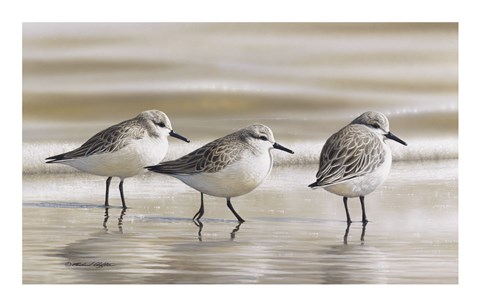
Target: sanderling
(226,167)
(356,160)
(124,149)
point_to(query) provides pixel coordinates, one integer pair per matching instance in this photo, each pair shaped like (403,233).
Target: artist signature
(95,264)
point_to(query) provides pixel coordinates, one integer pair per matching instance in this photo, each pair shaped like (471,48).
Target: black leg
(121,193)
(364,215)
(200,212)
(346,210)
(109,179)
(229,204)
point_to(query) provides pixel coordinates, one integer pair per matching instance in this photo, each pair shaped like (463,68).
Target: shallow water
(305,81)
(296,236)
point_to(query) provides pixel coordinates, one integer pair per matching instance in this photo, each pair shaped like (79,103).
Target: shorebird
(227,167)
(356,160)
(122,150)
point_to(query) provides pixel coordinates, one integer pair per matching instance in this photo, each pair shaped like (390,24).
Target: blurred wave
(99,70)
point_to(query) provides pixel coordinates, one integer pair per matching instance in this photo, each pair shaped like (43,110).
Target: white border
(206,10)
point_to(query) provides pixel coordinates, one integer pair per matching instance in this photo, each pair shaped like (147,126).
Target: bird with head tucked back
(356,160)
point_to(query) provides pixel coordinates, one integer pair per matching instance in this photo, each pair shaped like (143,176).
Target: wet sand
(293,235)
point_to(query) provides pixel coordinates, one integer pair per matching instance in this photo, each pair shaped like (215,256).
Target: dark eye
(376,125)
(263,138)
(161,124)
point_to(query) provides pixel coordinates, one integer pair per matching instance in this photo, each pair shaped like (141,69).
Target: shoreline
(296,236)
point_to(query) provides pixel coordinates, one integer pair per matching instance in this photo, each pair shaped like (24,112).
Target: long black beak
(280,147)
(173,134)
(389,135)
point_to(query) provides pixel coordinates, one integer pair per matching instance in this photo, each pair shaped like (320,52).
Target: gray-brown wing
(109,140)
(210,158)
(353,151)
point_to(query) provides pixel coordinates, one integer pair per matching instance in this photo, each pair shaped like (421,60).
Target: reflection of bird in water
(347,230)
(145,254)
(235,230)
(227,167)
(199,224)
(356,160)
(124,149)
(107,256)
(354,263)
(120,219)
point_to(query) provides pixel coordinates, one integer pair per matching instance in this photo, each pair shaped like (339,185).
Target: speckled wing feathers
(109,140)
(353,151)
(210,158)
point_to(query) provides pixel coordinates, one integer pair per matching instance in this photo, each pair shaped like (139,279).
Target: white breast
(234,180)
(126,162)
